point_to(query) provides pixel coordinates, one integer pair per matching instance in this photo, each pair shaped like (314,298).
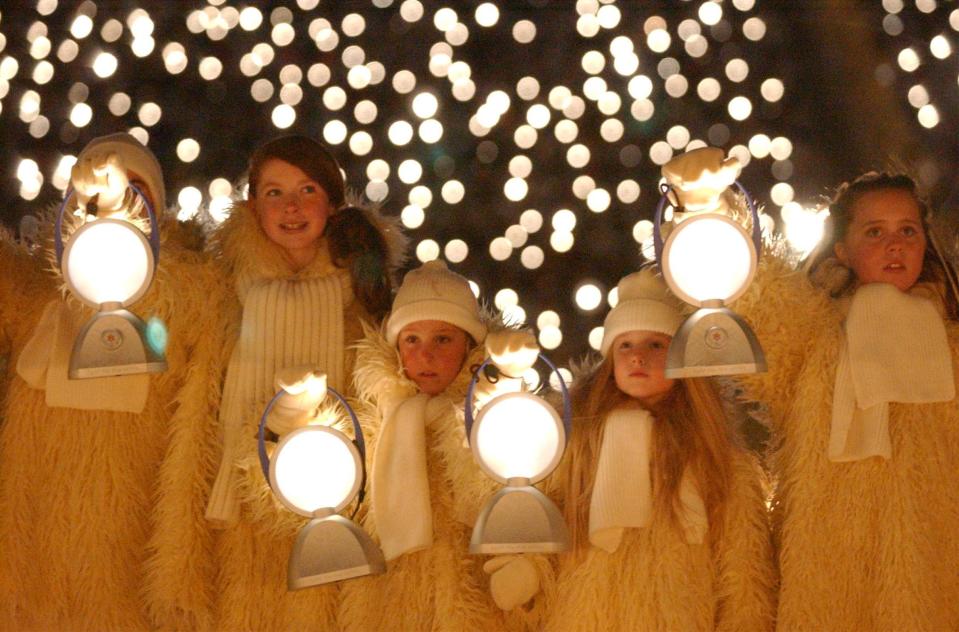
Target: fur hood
(249,256)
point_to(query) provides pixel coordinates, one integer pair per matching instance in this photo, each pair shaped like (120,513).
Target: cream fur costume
(253,549)
(441,587)
(656,580)
(98,528)
(868,544)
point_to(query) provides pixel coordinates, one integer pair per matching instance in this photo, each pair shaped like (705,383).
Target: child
(307,270)
(88,488)
(666,515)
(861,393)
(427,490)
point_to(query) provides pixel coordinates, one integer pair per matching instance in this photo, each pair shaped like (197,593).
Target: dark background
(845,110)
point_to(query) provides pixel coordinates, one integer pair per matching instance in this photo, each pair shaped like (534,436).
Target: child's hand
(513,580)
(100,177)
(513,352)
(305,390)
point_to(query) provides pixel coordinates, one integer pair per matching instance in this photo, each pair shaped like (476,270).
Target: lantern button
(716,337)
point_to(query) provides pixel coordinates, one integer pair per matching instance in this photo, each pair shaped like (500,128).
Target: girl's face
(885,242)
(639,365)
(292,209)
(432,352)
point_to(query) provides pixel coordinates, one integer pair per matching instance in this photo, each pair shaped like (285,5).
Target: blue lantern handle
(658,220)
(567,405)
(154,225)
(358,440)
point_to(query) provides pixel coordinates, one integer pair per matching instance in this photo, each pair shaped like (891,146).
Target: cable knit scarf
(622,493)
(895,350)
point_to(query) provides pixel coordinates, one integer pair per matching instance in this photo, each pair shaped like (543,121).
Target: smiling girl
(861,395)
(307,269)
(666,514)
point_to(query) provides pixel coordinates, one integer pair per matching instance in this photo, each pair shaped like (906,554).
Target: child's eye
(444,339)
(272,192)
(309,188)
(910,231)
(874,231)
(657,344)
(410,339)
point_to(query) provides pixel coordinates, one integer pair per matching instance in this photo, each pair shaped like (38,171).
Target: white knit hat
(433,292)
(135,157)
(645,304)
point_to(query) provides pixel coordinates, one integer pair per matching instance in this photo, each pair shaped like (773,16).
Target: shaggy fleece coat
(655,580)
(442,587)
(865,545)
(252,555)
(96,510)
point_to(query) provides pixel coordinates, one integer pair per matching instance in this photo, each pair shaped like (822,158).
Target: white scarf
(622,493)
(399,483)
(44,364)
(895,349)
(286,323)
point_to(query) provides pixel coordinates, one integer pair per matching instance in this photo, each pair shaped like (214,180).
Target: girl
(666,515)
(864,417)
(89,482)
(426,489)
(307,270)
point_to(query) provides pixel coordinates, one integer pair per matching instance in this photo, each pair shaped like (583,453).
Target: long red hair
(691,432)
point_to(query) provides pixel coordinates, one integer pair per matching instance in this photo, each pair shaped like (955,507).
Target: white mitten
(305,390)
(513,580)
(513,352)
(102,175)
(700,177)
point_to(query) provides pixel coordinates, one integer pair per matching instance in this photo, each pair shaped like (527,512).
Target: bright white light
(598,200)
(500,249)
(596,338)
(550,338)
(525,136)
(928,116)
(515,189)
(518,436)
(658,40)
(740,108)
(334,98)
(427,250)
(760,145)
(538,116)
(104,65)
(187,150)
(250,19)
(593,62)
(532,257)
(908,60)
(453,192)
(400,133)
(189,200)
(412,216)
(561,241)
(564,220)
(421,196)
(627,191)
(524,32)
(210,68)
(334,132)
(314,468)
(82,26)
(81,114)
(283,116)
(640,87)
(378,169)
(531,220)
(708,257)
(430,131)
(772,90)
(566,131)
(710,13)
(577,156)
(588,297)
(804,227)
(517,235)
(425,105)
(444,19)
(456,251)
(174,58)
(520,166)
(487,14)
(108,261)
(359,77)
(410,171)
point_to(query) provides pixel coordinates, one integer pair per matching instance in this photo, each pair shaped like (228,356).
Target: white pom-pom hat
(645,304)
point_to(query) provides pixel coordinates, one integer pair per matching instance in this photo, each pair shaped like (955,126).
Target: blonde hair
(691,432)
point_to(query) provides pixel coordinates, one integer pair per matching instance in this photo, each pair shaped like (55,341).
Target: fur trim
(862,534)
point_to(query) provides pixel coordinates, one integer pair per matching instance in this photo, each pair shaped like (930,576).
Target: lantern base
(113,343)
(714,341)
(332,549)
(519,519)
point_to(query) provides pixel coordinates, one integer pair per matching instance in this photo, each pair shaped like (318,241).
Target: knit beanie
(433,292)
(136,158)
(308,156)
(645,304)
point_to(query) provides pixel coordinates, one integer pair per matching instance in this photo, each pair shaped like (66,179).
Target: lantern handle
(154,224)
(567,405)
(357,432)
(666,189)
